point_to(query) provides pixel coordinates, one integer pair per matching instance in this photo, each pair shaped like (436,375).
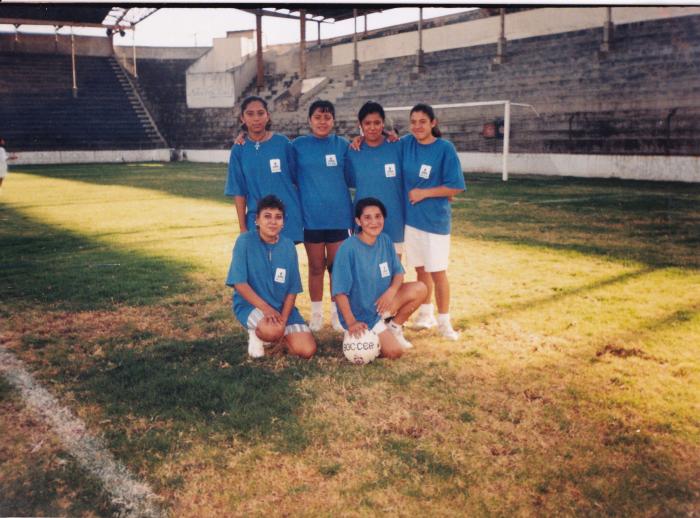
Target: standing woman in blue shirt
(325,201)
(263,164)
(432,175)
(375,170)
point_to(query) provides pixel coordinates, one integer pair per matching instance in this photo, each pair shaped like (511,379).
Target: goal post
(506,121)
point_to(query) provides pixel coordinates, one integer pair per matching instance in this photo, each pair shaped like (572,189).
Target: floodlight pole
(260,73)
(355,61)
(302,43)
(72,57)
(133,46)
(506,139)
(419,54)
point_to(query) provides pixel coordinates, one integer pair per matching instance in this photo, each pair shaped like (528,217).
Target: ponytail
(428,110)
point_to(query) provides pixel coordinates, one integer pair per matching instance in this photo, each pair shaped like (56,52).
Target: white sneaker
(316,322)
(424,321)
(397,331)
(335,323)
(447,332)
(256,347)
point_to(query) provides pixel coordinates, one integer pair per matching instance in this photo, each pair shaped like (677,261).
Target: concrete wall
(83,157)
(186,53)
(524,24)
(657,168)
(216,79)
(628,167)
(48,44)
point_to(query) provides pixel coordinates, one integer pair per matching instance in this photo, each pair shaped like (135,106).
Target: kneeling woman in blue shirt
(368,282)
(264,273)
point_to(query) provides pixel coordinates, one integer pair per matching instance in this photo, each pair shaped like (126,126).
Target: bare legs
(300,344)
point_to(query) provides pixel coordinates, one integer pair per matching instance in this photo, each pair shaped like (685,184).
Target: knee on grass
(302,345)
(268,332)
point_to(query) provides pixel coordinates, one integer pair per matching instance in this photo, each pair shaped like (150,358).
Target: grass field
(574,390)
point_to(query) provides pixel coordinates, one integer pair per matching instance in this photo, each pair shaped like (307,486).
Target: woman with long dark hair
(263,165)
(432,176)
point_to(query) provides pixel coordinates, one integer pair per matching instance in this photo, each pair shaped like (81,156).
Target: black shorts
(331,235)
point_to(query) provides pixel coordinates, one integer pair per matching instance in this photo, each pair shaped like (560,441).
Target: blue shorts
(331,235)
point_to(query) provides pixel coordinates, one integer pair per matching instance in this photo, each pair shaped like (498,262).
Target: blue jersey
(363,272)
(376,172)
(271,270)
(426,166)
(257,169)
(323,186)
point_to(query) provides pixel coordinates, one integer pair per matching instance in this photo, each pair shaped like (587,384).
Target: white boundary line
(135,498)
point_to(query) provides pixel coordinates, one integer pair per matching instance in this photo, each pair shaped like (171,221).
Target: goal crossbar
(506,121)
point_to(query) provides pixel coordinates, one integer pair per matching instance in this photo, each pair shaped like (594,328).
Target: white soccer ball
(363,349)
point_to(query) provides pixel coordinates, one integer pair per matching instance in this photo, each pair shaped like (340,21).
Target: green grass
(574,390)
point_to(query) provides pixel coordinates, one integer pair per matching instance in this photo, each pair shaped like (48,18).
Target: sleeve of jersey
(342,271)
(295,284)
(238,271)
(350,172)
(292,161)
(235,181)
(345,147)
(453,176)
(396,266)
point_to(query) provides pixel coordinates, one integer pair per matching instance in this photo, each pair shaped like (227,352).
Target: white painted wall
(628,167)
(84,157)
(212,156)
(214,80)
(525,24)
(211,90)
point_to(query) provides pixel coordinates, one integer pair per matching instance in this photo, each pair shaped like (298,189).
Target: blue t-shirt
(271,270)
(426,166)
(363,272)
(376,172)
(323,186)
(258,169)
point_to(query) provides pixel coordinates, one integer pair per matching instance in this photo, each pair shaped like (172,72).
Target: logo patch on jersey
(280,275)
(275,165)
(425,171)
(384,269)
(331,161)
(389,170)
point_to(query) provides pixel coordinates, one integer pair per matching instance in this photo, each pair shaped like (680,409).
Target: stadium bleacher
(39,111)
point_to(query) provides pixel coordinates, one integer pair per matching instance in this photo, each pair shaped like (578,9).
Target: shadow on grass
(42,264)
(160,398)
(563,293)
(190,180)
(650,222)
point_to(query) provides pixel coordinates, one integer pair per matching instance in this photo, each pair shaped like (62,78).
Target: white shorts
(399,248)
(431,251)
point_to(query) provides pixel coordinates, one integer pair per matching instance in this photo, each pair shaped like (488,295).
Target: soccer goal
(506,121)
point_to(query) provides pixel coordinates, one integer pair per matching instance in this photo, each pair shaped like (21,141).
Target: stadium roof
(318,14)
(91,16)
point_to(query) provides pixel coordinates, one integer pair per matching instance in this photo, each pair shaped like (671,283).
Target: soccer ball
(361,350)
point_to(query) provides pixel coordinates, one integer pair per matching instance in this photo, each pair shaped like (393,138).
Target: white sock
(425,309)
(394,326)
(334,309)
(443,318)
(317,307)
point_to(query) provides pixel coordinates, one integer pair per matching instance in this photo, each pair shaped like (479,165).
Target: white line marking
(135,498)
